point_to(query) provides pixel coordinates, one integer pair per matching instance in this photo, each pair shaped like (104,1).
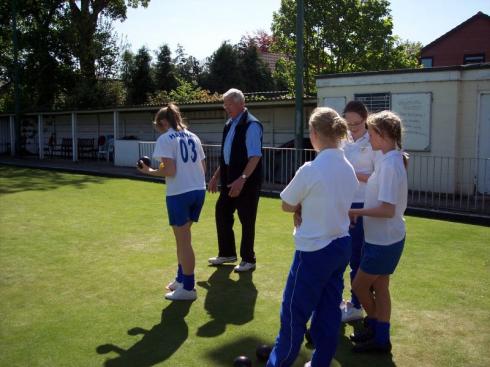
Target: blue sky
(200,26)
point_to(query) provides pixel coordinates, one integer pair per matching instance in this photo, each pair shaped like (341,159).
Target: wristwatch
(244,176)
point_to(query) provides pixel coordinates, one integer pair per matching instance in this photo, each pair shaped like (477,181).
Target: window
(375,102)
(474,59)
(426,62)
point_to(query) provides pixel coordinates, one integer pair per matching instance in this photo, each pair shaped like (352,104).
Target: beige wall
(444,107)
(468,116)
(454,120)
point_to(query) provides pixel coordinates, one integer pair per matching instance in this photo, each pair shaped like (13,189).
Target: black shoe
(362,335)
(372,347)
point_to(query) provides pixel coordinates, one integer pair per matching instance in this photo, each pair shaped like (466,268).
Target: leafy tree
(340,36)
(187,67)
(85,15)
(223,71)
(255,74)
(44,59)
(236,66)
(165,78)
(260,39)
(51,74)
(406,54)
(127,66)
(186,92)
(137,76)
(283,75)
(107,50)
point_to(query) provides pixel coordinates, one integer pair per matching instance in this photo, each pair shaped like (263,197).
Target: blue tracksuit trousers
(313,288)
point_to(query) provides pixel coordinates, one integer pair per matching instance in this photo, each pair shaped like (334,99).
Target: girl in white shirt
(320,195)
(359,153)
(384,231)
(183,166)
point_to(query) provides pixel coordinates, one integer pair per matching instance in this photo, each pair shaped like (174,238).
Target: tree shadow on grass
(227,301)
(157,344)
(28,179)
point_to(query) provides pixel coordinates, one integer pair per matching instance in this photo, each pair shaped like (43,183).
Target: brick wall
(471,38)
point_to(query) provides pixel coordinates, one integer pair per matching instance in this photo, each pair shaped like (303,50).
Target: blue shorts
(381,260)
(185,207)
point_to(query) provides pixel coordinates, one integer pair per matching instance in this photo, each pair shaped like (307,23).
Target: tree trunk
(85,25)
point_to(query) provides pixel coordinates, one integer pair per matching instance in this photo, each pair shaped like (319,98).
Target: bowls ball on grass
(242,361)
(263,352)
(146,160)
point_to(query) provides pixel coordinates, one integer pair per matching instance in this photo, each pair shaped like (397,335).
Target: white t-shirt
(387,184)
(325,188)
(362,157)
(185,148)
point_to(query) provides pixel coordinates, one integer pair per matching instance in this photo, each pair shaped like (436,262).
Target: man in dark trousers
(240,177)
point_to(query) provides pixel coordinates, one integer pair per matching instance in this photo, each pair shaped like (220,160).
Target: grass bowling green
(84,261)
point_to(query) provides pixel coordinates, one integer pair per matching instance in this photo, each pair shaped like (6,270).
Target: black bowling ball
(242,361)
(263,351)
(146,160)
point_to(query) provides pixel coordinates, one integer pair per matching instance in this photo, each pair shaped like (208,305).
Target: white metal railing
(449,183)
(438,183)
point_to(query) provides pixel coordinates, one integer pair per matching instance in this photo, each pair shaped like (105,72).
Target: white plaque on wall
(337,103)
(415,112)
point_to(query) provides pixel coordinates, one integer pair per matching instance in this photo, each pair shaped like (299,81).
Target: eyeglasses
(355,123)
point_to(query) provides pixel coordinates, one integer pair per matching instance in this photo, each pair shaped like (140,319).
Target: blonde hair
(328,123)
(171,113)
(387,123)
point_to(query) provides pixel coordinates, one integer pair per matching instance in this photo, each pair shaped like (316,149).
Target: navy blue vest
(239,156)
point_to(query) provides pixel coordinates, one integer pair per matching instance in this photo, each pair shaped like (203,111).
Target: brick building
(467,43)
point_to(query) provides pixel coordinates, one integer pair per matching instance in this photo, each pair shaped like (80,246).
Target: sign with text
(415,112)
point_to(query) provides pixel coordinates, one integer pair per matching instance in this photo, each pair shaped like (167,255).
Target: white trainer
(351,313)
(181,294)
(218,260)
(244,266)
(174,285)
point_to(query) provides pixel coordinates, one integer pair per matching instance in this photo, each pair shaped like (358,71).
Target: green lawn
(84,261)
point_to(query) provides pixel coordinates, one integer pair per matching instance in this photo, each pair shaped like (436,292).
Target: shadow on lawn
(227,301)
(27,179)
(157,344)
(346,357)
(245,346)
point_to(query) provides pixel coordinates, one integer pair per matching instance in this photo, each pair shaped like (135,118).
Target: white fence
(438,183)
